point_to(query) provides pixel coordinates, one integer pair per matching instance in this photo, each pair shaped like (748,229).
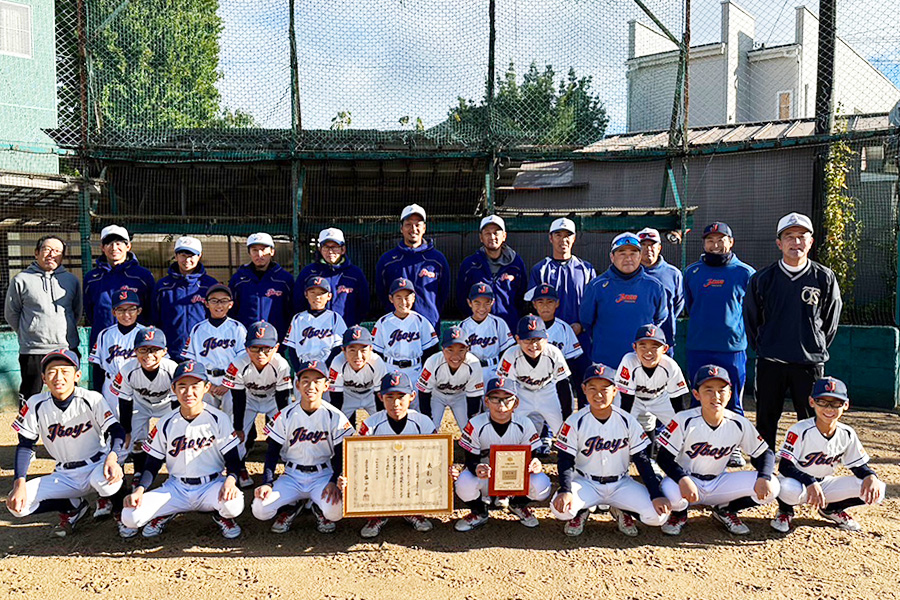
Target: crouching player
(451,379)
(307,436)
(355,375)
(499,426)
(196,443)
(71,422)
(808,457)
(596,446)
(695,449)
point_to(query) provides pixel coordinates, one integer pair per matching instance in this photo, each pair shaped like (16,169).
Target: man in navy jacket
(262,288)
(656,266)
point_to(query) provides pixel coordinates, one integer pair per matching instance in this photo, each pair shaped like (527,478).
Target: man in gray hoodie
(43,306)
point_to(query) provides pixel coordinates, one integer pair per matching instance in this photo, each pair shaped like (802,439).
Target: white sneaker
(104,508)
(525,514)
(730,520)
(323,525)
(244,480)
(575,527)
(674,525)
(841,519)
(625,522)
(284,520)
(373,527)
(124,531)
(736,461)
(229,527)
(470,522)
(156,526)
(68,520)
(419,523)
(782,522)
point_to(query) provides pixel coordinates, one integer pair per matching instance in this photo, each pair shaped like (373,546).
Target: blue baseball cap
(707,372)
(261,333)
(453,335)
(718,227)
(316,282)
(830,387)
(650,332)
(150,336)
(312,365)
(64,354)
(530,327)
(122,297)
(599,371)
(401,283)
(396,381)
(357,335)
(190,368)
(500,384)
(625,239)
(544,290)
(481,290)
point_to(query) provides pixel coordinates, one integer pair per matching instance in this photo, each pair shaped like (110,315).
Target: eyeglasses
(219,301)
(497,400)
(260,349)
(48,251)
(823,403)
(145,350)
(131,310)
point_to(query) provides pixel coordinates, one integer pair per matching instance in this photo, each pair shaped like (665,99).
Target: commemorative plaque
(509,470)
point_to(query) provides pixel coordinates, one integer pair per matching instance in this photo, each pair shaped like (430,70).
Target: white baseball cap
(648,233)
(114,230)
(262,239)
(188,244)
(412,209)
(492,220)
(794,220)
(332,234)
(562,224)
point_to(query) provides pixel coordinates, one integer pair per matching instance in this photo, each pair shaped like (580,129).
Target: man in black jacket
(791,312)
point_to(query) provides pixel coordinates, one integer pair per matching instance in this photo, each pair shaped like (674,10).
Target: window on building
(784,106)
(15,29)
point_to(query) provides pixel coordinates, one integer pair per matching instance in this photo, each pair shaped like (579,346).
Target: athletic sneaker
(782,522)
(575,527)
(841,519)
(68,520)
(674,525)
(135,480)
(625,522)
(525,514)
(730,520)
(736,461)
(419,523)
(244,480)
(323,525)
(229,527)
(156,526)
(104,508)
(470,522)
(285,518)
(373,527)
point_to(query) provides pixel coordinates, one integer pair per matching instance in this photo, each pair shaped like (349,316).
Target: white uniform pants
(646,412)
(255,406)
(625,494)
(355,402)
(295,485)
(140,421)
(174,496)
(719,491)
(836,489)
(539,406)
(469,487)
(456,404)
(67,483)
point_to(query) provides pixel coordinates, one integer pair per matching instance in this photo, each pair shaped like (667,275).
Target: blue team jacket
(263,297)
(178,305)
(349,289)
(714,298)
(509,285)
(104,280)
(613,308)
(426,267)
(673,281)
(570,278)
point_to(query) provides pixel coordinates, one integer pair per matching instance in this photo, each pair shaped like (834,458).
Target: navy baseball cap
(530,327)
(123,297)
(312,365)
(544,290)
(190,368)
(599,371)
(150,336)
(357,335)
(453,335)
(219,287)
(830,387)
(401,283)
(62,354)
(718,227)
(262,333)
(650,332)
(316,282)
(481,290)
(500,384)
(707,372)
(396,381)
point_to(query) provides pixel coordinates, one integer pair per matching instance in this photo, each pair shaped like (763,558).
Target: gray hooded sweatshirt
(43,308)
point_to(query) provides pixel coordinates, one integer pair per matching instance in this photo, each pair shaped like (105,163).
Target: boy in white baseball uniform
(498,426)
(694,451)
(397,393)
(260,383)
(404,338)
(196,443)
(355,375)
(115,345)
(487,335)
(596,446)
(541,375)
(451,379)
(315,334)
(307,436)
(808,457)
(72,423)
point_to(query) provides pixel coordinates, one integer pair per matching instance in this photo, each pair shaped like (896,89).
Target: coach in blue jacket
(416,259)
(349,286)
(116,269)
(500,267)
(620,300)
(262,288)
(656,266)
(179,297)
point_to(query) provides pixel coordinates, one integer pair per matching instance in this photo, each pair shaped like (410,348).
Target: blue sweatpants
(733,362)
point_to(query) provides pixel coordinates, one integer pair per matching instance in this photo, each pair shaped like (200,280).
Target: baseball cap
(625,239)
(64,354)
(332,234)
(312,365)
(357,335)
(219,287)
(396,381)
(650,332)
(492,220)
(718,227)
(316,282)
(543,290)
(707,372)
(794,220)
(401,283)
(114,231)
(261,333)
(188,244)
(150,337)
(262,239)
(648,233)
(830,387)
(481,290)
(500,384)
(530,327)
(190,368)
(562,224)
(453,335)
(123,297)
(599,371)
(412,209)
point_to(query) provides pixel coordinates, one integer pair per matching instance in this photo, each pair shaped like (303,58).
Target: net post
(84,224)
(298,179)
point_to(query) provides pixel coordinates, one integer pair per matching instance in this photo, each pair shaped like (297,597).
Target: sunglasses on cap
(626,241)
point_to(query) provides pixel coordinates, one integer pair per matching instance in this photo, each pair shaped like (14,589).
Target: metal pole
(84,226)
(685,128)
(298,179)
(296,119)
(490,187)
(298,170)
(82,73)
(489,85)
(825,67)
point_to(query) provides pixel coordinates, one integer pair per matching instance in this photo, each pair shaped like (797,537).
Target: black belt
(199,480)
(215,372)
(306,468)
(403,364)
(610,479)
(489,362)
(77,464)
(703,477)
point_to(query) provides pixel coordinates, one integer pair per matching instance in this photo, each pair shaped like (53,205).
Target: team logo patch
(356,333)
(672,426)
(625,374)
(482,289)
(232,370)
(532,325)
(430,274)
(149,333)
(810,295)
(395,380)
(24,410)
(343,289)
(830,386)
(469,429)
(545,289)
(426,375)
(507,277)
(626,298)
(347,425)
(456,334)
(714,283)
(363,430)
(107,415)
(189,367)
(713,371)
(261,332)
(123,295)
(272,292)
(566,428)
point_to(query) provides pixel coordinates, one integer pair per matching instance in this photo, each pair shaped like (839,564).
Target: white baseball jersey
(704,450)
(307,439)
(359,385)
(242,374)
(403,339)
(437,379)
(561,335)
(194,448)
(550,369)
(215,347)
(479,435)
(816,455)
(632,378)
(601,448)
(71,435)
(487,340)
(132,383)
(378,424)
(111,350)
(313,338)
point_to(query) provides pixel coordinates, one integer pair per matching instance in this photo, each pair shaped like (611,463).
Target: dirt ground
(501,560)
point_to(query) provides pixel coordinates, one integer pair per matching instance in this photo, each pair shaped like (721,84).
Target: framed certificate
(509,470)
(397,475)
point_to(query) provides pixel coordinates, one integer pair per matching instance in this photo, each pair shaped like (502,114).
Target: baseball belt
(306,468)
(199,480)
(403,364)
(489,362)
(610,479)
(216,372)
(703,476)
(77,464)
